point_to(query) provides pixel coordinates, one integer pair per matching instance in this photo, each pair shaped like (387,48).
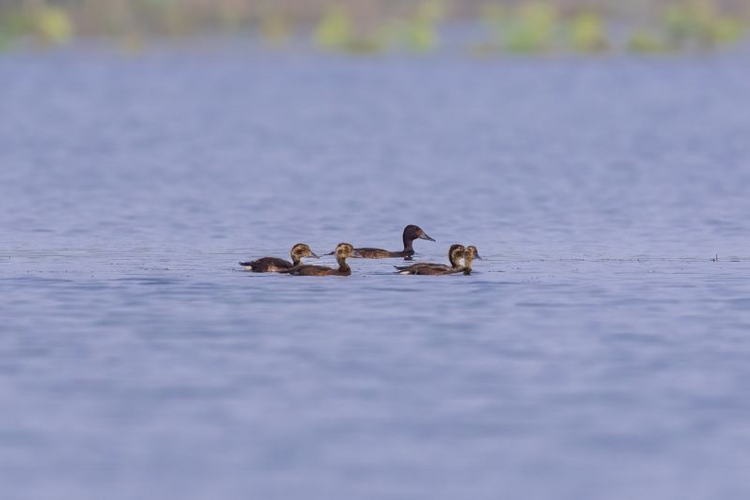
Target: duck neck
(343,266)
(467,265)
(408,247)
(296,261)
(455,261)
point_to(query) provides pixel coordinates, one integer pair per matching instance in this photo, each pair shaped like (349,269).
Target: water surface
(597,352)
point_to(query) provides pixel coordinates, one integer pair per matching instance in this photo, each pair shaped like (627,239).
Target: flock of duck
(343,251)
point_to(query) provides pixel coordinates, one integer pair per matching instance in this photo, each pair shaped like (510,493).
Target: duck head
(470,254)
(344,251)
(301,250)
(412,232)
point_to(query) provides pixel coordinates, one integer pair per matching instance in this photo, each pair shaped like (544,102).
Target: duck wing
(309,270)
(424,268)
(267,265)
(373,253)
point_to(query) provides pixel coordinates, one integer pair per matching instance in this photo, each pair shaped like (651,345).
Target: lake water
(597,352)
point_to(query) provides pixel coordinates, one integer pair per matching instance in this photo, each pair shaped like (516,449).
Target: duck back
(310,270)
(426,269)
(379,253)
(267,265)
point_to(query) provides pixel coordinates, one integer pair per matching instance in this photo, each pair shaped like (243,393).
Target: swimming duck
(343,251)
(276,265)
(470,254)
(455,254)
(411,233)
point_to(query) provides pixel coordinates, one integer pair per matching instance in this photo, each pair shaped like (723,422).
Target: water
(597,352)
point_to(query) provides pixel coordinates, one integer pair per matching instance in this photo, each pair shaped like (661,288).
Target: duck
(411,233)
(343,251)
(470,254)
(455,254)
(277,265)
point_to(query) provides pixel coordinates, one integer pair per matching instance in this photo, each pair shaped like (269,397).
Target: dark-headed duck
(411,233)
(343,251)
(455,254)
(276,265)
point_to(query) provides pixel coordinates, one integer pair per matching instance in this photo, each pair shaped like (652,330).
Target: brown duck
(455,254)
(470,254)
(276,265)
(411,233)
(343,251)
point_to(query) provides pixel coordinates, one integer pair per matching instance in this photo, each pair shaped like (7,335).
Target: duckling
(276,265)
(470,254)
(455,253)
(343,251)
(411,233)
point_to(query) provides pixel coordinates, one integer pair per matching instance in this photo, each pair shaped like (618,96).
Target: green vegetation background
(376,26)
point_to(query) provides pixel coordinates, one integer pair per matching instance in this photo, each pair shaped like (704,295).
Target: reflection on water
(597,352)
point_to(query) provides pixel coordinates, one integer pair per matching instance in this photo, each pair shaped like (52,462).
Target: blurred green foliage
(52,25)
(5,40)
(10,29)
(645,41)
(587,32)
(421,32)
(335,30)
(698,23)
(48,25)
(375,26)
(531,28)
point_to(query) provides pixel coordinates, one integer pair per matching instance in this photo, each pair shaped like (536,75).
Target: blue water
(598,351)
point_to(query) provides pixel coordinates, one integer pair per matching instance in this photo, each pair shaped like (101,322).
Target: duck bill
(356,253)
(313,255)
(424,236)
(330,253)
(478,257)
